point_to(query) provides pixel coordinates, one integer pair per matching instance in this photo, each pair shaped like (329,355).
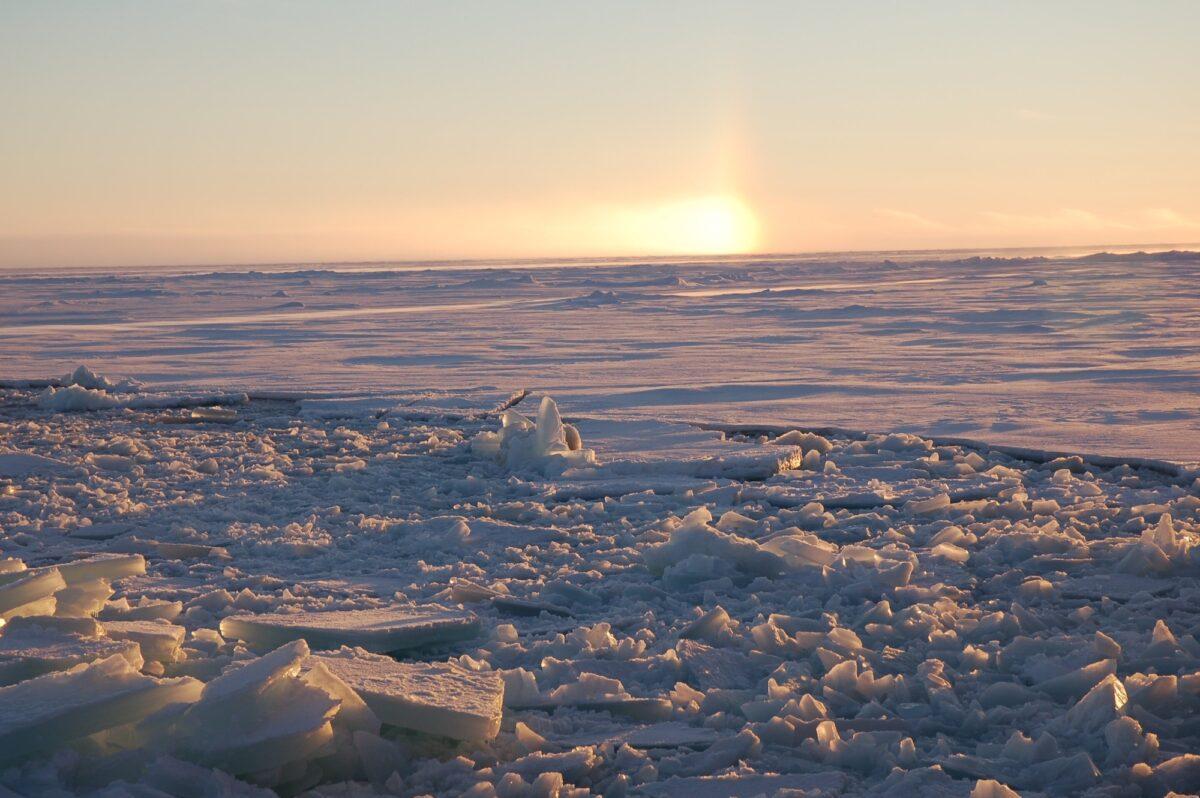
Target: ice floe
(435,698)
(384,629)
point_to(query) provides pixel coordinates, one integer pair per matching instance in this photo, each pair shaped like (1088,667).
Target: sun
(711,225)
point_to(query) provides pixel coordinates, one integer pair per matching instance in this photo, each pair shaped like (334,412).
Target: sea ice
(159,639)
(23,464)
(144,610)
(82,599)
(697,552)
(42,714)
(435,698)
(28,588)
(379,630)
(1034,626)
(540,444)
(258,716)
(748,785)
(102,566)
(31,647)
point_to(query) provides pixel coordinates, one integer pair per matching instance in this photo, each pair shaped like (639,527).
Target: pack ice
(438,698)
(385,629)
(450,594)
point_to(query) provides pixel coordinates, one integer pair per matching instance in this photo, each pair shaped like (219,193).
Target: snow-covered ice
(437,698)
(1095,353)
(31,647)
(573,567)
(384,629)
(42,714)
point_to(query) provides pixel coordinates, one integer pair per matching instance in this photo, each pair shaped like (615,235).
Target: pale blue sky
(174,132)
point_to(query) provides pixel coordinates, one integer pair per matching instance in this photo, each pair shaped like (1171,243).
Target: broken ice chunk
(1103,704)
(1006,694)
(698,551)
(175,551)
(354,714)
(435,698)
(671,734)
(39,715)
(11,565)
(32,586)
(31,647)
(1126,743)
(82,600)
(379,630)
(105,530)
(713,625)
(1179,772)
(248,680)
(805,440)
(102,566)
(258,716)
(1163,645)
(707,667)
(934,504)
(220,415)
(159,639)
(541,444)
(641,709)
(1077,682)
(1066,775)
(181,779)
(737,785)
(20,465)
(802,549)
(145,610)
(596,693)
(990,788)
(84,377)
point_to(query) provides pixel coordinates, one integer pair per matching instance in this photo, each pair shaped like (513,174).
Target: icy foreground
(480,597)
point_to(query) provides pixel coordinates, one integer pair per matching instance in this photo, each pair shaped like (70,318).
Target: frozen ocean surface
(1098,353)
(329,533)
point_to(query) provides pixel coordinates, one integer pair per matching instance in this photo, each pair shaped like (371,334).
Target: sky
(244,131)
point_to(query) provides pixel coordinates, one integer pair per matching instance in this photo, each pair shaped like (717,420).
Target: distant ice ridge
(84,390)
(84,377)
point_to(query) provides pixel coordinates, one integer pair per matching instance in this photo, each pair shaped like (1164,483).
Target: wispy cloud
(1168,217)
(1062,219)
(1053,224)
(1079,219)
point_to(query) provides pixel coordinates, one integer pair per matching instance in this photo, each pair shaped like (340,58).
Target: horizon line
(544,261)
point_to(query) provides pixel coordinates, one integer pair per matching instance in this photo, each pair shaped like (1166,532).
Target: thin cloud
(1062,219)
(1079,219)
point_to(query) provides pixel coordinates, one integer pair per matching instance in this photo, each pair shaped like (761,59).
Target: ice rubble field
(461,594)
(1099,353)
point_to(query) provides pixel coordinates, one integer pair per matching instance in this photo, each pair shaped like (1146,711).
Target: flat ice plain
(793,527)
(1099,352)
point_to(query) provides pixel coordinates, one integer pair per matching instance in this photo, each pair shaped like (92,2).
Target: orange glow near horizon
(709,225)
